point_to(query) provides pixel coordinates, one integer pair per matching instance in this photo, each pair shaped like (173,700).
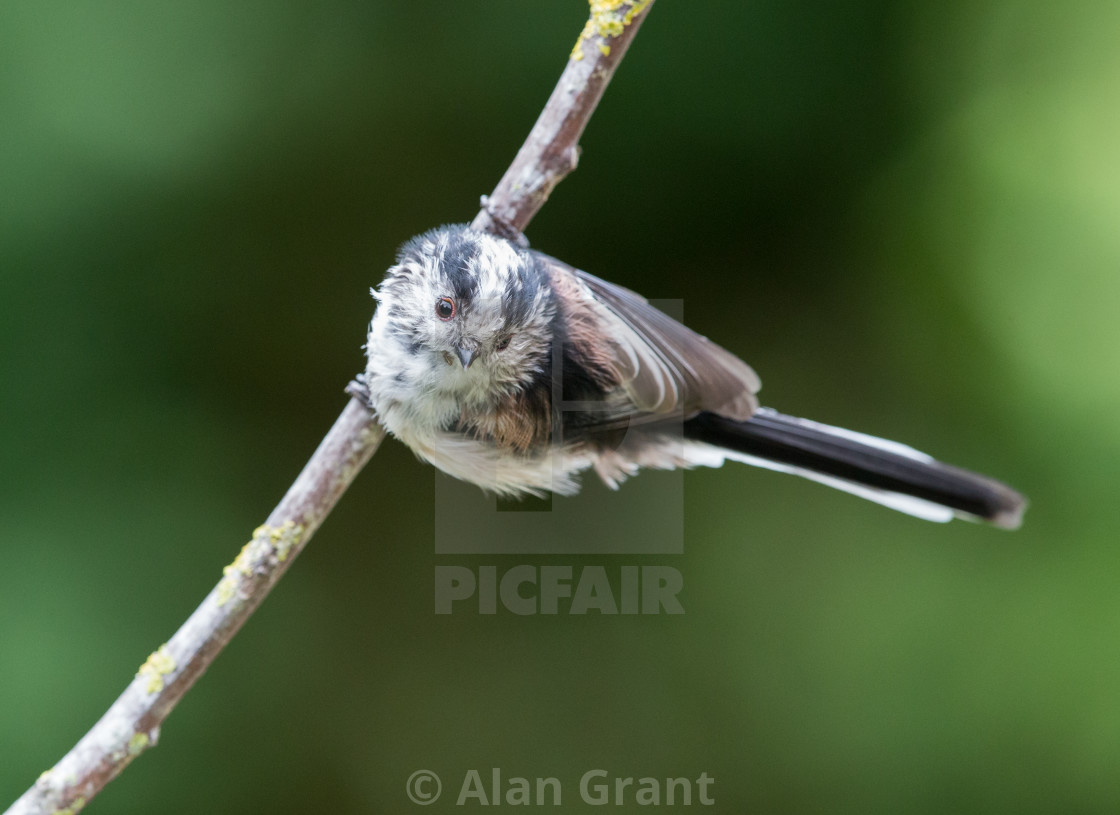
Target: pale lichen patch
(283,538)
(586,34)
(74,808)
(231,574)
(227,587)
(608,20)
(138,743)
(158,665)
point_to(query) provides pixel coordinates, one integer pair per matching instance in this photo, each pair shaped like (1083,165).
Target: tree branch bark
(552,149)
(132,724)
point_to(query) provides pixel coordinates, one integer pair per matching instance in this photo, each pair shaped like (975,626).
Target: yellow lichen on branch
(138,743)
(609,19)
(156,667)
(231,574)
(282,537)
(73,809)
(279,540)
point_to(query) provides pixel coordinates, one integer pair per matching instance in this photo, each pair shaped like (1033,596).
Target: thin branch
(552,149)
(132,724)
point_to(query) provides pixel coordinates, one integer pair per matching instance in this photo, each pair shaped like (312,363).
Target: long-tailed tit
(512,370)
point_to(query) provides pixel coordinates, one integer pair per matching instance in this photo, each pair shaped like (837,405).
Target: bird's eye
(503,343)
(445,308)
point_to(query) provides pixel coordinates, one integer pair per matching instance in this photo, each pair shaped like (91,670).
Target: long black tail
(883,471)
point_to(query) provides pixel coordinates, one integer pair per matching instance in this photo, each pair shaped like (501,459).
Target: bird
(512,370)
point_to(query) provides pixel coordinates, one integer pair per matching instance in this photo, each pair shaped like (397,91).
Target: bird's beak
(466,354)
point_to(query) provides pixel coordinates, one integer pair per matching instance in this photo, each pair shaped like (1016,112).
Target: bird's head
(469,311)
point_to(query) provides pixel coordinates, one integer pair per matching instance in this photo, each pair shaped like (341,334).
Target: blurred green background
(905,216)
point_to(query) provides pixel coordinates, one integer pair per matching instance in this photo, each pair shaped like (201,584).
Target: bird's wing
(663,366)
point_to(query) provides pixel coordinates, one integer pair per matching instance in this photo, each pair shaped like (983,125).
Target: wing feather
(663,366)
